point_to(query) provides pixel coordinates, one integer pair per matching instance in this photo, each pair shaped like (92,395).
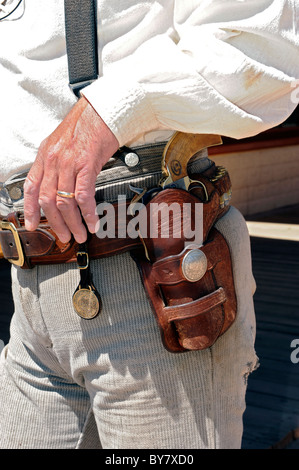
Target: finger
(31,196)
(72,218)
(68,206)
(85,197)
(48,203)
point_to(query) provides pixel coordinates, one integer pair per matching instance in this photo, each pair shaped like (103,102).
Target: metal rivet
(194,265)
(131,159)
(15,193)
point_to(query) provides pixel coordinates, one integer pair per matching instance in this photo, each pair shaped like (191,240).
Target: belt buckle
(4,225)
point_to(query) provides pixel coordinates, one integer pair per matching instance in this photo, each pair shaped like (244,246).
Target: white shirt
(228,67)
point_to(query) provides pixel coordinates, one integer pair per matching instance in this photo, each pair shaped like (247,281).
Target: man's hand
(69,160)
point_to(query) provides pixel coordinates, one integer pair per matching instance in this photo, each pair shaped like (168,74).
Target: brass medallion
(86,303)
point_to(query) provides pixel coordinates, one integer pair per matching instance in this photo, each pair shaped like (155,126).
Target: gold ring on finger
(65,194)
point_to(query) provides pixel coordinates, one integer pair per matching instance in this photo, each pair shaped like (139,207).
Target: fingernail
(64,238)
(28,225)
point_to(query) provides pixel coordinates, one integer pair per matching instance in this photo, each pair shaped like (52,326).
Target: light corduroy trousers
(66,382)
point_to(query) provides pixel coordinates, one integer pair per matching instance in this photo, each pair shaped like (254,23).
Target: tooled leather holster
(190,288)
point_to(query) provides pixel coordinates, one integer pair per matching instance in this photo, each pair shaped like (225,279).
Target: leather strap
(168,271)
(42,246)
(81,42)
(202,305)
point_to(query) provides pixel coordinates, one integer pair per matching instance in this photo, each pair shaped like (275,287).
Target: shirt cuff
(124,107)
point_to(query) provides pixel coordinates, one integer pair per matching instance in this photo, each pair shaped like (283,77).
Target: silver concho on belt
(7,7)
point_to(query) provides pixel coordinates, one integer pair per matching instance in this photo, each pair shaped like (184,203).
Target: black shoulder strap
(81,42)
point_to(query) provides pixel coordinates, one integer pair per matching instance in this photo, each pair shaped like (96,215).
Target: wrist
(100,131)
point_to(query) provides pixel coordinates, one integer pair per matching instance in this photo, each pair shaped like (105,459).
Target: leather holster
(191,314)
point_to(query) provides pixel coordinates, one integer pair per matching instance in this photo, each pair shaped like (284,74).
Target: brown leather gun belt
(42,246)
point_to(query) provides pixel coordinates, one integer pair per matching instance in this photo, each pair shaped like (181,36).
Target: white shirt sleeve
(230,69)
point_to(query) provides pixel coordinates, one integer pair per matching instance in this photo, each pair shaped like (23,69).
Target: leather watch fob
(86,299)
